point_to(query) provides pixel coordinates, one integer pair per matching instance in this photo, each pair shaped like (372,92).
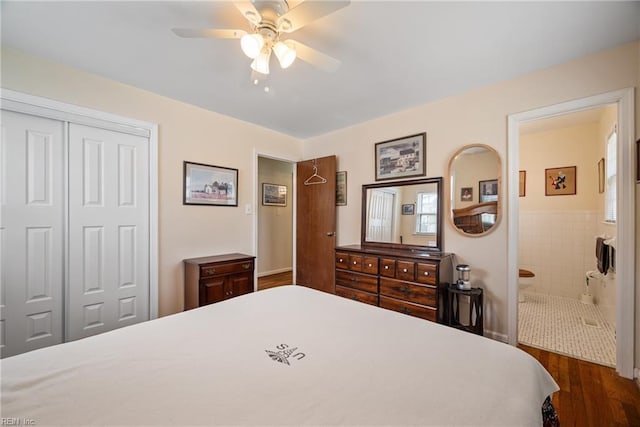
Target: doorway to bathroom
(624,182)
(565,303)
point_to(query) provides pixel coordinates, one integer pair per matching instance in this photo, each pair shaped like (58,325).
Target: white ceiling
(395,55)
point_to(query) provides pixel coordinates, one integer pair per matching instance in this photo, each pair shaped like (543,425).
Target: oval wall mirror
(474,184)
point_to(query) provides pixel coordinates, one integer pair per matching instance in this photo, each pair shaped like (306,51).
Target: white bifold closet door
(74,231)
(32,232)
(108,230)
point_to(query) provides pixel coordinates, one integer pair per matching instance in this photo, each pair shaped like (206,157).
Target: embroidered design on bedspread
(283,354)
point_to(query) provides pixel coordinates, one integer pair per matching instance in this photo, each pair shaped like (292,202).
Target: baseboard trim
(636,375)
(277,271)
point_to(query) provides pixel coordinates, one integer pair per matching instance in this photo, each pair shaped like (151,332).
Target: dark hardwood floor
(274,280)
(590,395)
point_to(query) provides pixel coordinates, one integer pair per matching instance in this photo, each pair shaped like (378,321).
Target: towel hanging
(602,255)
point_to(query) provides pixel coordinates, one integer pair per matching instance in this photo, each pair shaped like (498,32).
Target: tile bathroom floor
(566,326)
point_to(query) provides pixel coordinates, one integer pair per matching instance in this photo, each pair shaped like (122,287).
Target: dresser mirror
(474,184)
(403,214)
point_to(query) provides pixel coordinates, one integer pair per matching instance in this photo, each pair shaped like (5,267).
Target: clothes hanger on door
(315,178)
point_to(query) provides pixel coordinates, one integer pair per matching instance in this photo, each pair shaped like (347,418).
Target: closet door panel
(109,231)
(32,156)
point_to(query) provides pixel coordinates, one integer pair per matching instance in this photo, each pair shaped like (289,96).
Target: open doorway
(275,213)
(625,221)
(566,298)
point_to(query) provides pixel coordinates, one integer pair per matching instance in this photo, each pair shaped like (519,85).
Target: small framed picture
(522,184)
(488,191)
(274,195)
(560,181)
(341,188)
(208,185)
(466,194)
(408,209)
(401,158)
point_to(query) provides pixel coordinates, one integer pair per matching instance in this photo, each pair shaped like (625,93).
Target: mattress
(285,356)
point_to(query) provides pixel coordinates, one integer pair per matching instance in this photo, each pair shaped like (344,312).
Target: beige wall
(571,146)
(275,223)
(186,132)
(478,116)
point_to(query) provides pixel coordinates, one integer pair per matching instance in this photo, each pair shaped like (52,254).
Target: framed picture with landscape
(274,195)
(401,158)
(208,185)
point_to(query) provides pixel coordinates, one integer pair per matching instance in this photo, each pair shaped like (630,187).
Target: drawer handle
(355,297)
(405,310)
(341,260)
(210,271)
(405,290)
(426,273)
(386,267)
(404,270)
(355,262)
(246,266)
(355,279)
(370,264)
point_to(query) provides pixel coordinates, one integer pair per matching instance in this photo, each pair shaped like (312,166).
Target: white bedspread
(227,364)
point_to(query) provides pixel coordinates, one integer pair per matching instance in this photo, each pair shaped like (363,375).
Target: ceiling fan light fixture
(252,45)
(261,63)
(285,52)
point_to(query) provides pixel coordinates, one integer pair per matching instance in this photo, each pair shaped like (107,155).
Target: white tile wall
(559,248)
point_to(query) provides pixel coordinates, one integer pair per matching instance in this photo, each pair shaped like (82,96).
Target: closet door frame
(44,107)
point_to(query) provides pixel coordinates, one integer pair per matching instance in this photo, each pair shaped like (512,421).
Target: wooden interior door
(316,223)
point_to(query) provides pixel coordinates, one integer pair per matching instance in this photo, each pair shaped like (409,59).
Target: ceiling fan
(270,20)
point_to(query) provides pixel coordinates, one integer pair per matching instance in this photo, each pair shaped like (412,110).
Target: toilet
(525,279)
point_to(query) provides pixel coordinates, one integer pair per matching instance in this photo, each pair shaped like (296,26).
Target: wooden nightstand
(475,309)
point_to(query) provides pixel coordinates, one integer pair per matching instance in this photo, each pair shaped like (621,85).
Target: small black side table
(475,309)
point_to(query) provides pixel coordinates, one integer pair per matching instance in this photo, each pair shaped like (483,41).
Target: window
(611,171)
(426,215)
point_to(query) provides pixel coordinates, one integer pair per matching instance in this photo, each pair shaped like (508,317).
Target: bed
(284,356)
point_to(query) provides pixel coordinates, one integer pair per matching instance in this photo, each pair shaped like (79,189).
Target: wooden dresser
(208,280)
(409,282)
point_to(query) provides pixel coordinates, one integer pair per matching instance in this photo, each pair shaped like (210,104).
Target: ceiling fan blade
(314,57)
(307,12)
(249,11)
(209,33)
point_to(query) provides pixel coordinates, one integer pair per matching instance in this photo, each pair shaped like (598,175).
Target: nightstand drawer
(208,270)
(355,262)
(419,294)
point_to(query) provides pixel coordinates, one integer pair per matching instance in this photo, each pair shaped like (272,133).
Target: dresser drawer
(405,270)
(404,307)
(207,270)
(419,294)
(357,281)
(388,267)
(355,262)
(370,265)
(357,295)
(342,260)
(427,273)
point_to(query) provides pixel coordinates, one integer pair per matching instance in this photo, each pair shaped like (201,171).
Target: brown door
(316,223)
